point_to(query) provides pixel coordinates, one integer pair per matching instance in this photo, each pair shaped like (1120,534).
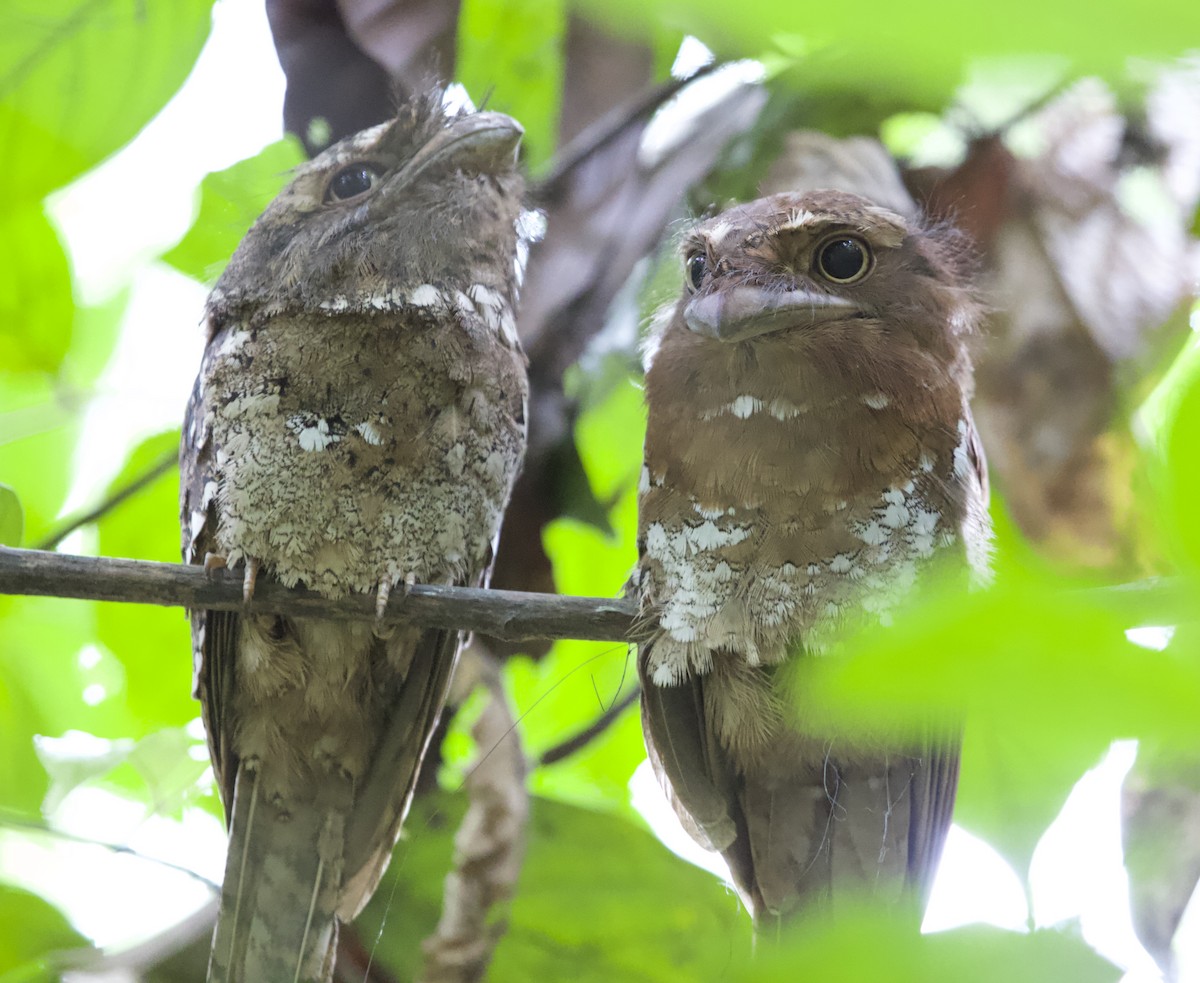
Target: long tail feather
(277,920)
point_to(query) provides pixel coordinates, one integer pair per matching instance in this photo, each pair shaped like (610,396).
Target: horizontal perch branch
(509,615)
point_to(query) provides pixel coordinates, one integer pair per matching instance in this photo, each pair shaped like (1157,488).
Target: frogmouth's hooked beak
(482,142)
(744,312)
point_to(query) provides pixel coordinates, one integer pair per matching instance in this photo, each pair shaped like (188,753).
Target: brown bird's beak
(744,312)
(483,142)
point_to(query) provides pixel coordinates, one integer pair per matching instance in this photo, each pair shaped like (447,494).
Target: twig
(12,820)
(509,615)
(590,732)
(490,843)
(609,126)
(161,467)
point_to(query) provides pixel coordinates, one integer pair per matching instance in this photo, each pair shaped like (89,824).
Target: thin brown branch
(503,614)
(12,820)
(509,615)
(490,844)
(609,126)
(152,474)
(591,731)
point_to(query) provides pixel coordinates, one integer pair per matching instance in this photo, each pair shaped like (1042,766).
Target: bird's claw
(214,562)
(382,595)
(381,599)
(249,579)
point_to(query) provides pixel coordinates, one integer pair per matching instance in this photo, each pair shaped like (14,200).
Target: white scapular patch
(962,460)
(369,433)
(489,302)
(312,433)
(873,533)
(426,295)
(686,541)
(339,302)
(389,300)
(895,515)
(877,401)
(462,303)
(508,329)
(781,409)
(456,458)
(711,514)
(717,234)
(697,583)
(494,308)
(745,407)
(841,563)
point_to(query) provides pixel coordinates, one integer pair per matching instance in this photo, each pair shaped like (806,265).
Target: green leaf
(913,56)
(33,931)
(867,945)
(1171,415)
(578,681)
(79,78)
(12,517)
(38,429)
(598,899)
(22,780)
(152,644)
(41,688)
(510,51)
(561,695)
(36,308)
(1040,671)
(160,769)
(1006,800)
(77,762)
(230,201)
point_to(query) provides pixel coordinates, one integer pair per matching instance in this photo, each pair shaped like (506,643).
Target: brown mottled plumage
(809,455)
(357,423)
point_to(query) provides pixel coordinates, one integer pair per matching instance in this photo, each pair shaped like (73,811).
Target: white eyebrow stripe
(718,232)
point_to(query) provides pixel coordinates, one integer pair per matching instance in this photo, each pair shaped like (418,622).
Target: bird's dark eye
(351,181)
(696,266)
(844,259)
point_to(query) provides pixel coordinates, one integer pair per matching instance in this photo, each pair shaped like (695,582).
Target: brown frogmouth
(357,424)
(810,455)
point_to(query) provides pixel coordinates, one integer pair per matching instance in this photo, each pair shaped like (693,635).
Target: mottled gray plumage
(810,456)
(357,424)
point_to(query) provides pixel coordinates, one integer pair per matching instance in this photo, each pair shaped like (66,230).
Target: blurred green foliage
(1039,670)
(866,945)
(588,887)
(230,201)
(913,56)
(26,955)
(510,57)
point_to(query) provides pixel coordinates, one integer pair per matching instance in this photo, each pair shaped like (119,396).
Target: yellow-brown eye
(843,259)
(696,266)
(351,181)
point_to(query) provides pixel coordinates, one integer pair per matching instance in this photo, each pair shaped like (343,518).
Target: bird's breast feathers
(331,457)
